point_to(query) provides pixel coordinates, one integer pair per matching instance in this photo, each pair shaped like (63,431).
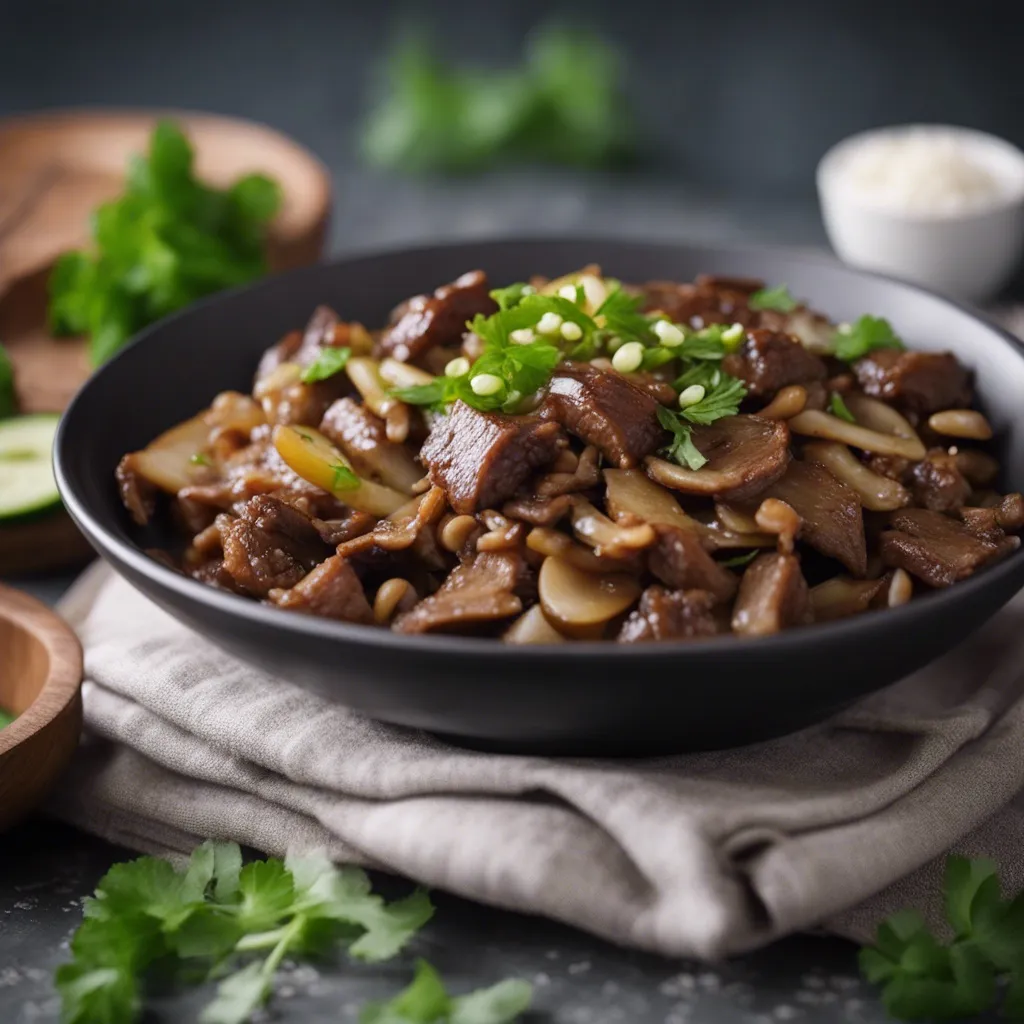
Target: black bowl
(577,697)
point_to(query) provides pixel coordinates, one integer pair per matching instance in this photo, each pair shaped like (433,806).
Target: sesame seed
(668,334)
(485,384)
(457,367)
(691,396)
(628,357)
(571,331)
(550,323)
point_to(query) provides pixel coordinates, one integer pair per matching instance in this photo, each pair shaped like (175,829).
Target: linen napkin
(702,855)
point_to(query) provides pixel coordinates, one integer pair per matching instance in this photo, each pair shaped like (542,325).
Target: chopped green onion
(691,396)
(522,336)
(549,323)
(732,336)
(486,384)
(571,331)
(457,367)
(628,357)
(668,334)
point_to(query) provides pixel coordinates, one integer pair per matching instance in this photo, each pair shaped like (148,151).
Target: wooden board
(54,169)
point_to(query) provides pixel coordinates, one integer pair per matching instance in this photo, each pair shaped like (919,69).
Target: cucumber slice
(27,486)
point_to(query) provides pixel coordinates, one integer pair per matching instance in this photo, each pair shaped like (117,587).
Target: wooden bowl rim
(65,669)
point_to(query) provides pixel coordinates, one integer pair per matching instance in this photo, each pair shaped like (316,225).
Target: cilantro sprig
(167,241)
(680,448)
(925,979)
(839,408)
(868,333)
(777,298)
(216,918)
(427,1001)
(330,360)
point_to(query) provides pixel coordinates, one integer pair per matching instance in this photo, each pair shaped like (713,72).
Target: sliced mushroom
(842,596)
(814,423)
(596,529)
(772,597)
(745,454)
(532,628)
(631,495)
(876,492)
(581,604)
(169,462)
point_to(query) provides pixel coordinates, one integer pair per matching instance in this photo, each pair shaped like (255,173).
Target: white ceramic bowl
(967,252)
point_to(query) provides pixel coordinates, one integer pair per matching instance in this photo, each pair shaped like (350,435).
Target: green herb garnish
(426,1001)
(778,299)
(343,478)
(622,316)
(563,105)
(924,979)
(218,919)
(740,560)
(720,400)
(681,448)
(167,241)
(864,336)
(511,296)
(6,718)
(329,361)
(199,459)
(838,408)
(8,397)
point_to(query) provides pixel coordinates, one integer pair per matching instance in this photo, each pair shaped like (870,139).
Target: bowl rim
(64,671)
(830,184)
(777,645)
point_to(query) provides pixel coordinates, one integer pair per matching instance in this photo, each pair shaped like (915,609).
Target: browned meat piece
(438,319)
(679,560)
(770,360)
(937,482)
(699,304)
(339,531)
(920,382)
(833,522)
(893,466)
(773,596)
(137,493)
(670,615)
(937,549)
(745,454)
(538,511)
(270,545)
(994,523)
(660,390)
(728,283)
(485,589)
(481,458)
(332,591)
(605,409)
(362,438)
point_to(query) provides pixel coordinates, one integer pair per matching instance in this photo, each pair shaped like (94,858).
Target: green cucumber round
(27,486)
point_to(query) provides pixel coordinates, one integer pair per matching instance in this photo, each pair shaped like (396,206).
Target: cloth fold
(703,854)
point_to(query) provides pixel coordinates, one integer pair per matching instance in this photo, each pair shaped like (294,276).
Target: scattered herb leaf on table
(166,242)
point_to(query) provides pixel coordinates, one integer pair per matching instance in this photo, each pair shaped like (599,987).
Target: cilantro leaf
(510,296)
(436,393)
(622,316)
(681,448)
(238,996)
(721,400)
(8,397)
(426,1001)
(838,408)
(777,299)
(866,335)
(330,360)
(165,242)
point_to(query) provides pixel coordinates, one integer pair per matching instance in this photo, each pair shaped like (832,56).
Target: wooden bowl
(55,168)
(40,682)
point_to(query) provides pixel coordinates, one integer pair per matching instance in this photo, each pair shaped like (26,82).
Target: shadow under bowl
(573,698)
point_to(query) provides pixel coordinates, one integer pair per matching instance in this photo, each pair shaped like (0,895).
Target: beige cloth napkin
(704,854)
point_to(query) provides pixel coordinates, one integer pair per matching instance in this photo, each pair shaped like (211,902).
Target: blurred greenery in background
(563,104)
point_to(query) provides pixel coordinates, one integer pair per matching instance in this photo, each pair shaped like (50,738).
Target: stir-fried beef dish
(582,459)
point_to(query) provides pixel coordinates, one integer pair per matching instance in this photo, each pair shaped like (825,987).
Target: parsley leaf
(838,408)
(330,360)
(924,979)
(343,478)
(622,316)
(681,448)
(864,336)
(165,242)
(426,1001)
(510,296)
(774,298)
(722,400)
(8,398)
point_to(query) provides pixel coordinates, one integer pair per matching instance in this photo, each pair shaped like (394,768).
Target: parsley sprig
(777,299)
(329,360)
(680,448)
(217,918)
(924,979)
(867,334)
(167,241)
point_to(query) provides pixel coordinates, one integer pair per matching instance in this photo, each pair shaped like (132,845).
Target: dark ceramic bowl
(583,697)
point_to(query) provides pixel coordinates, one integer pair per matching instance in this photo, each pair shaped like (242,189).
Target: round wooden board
(55,168)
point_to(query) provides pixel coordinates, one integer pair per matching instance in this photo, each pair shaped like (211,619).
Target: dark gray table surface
(47,868)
